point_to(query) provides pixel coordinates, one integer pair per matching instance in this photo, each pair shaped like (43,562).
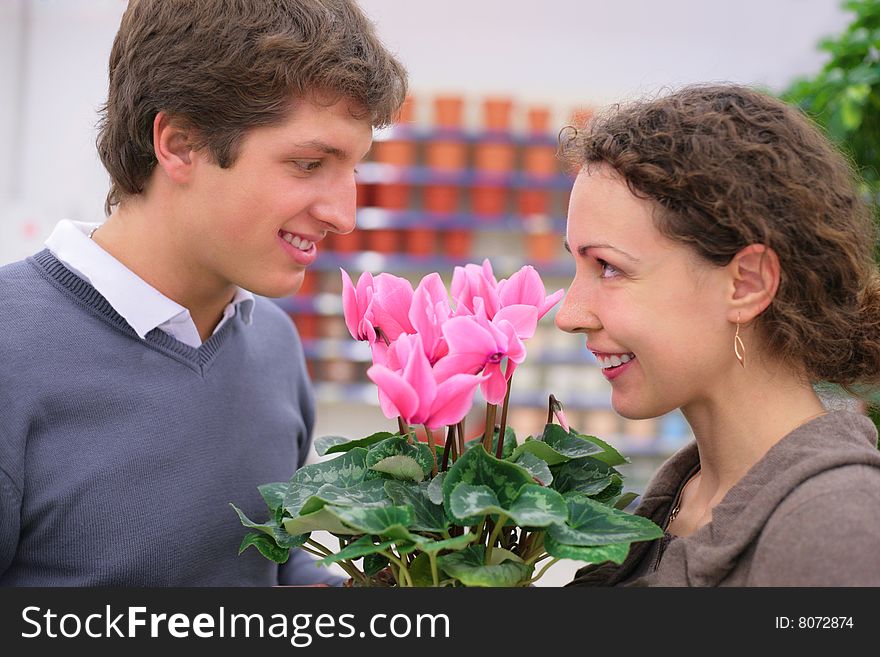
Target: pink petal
(419,375)
(396,396)
(523,317)
(524,287)
(494,387)
(453,401)
(465,335)
(460,363)
(549,302)
(349,305)
(392,299)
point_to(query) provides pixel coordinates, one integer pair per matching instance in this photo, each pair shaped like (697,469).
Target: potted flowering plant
(492,511)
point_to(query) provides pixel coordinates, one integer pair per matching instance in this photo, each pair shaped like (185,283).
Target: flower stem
(499,449)
(542,571)
(432,557)
(433,445)
(403,578)
(401,426)
(490,427)
(448,447)
(460,438)
(494,536)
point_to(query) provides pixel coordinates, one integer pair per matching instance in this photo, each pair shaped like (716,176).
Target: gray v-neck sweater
(119,456)
(806,514)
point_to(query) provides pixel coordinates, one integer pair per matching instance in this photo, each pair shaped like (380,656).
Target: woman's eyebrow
(583,249)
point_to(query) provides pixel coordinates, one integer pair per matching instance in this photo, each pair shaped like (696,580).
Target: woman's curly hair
(730,166)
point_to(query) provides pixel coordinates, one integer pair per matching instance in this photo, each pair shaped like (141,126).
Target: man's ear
(754,277)
(172,142)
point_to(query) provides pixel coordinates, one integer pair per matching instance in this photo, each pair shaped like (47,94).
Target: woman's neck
(737,427)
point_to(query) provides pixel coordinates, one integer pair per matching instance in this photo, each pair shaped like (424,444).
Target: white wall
(568,52)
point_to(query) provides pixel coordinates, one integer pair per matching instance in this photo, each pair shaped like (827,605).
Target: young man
(143,386)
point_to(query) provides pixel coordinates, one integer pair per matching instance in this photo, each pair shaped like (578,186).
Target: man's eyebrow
(324,147)
(582,250)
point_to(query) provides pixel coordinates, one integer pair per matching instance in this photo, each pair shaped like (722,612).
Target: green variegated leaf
(400,466)
(467,567)
(273,495)
(359,548)
(367,494)
(389,521)
(609,455)
(427,515)
(536,467)
(374,563)
(557,446)
(500,555)
(568,443)
(267,547)
(324,443)
(420,571)
(610,492)
(478,468)
(272,529)
(624,500)
(536,506)
(266,528)
(398,446)
(586,475)
(615,552)
(342,471)
(591,523)
(455,543)
(285,540)
(469,503)
(506,449)
(321,520)
(435,488)
(333,446)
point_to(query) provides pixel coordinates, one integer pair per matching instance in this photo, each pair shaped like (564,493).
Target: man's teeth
(613,361)
(297,241)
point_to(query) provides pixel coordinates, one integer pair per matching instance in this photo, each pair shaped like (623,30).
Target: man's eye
(307,165)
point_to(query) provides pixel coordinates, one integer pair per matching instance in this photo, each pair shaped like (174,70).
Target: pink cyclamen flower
(415,393)
(525,287)
(356,306)
(471,282)
(479,345)
(428,313)
(392,298)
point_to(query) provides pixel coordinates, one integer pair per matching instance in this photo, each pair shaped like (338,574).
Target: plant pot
(446,155)
(497,157)
(488,201)
(458,243)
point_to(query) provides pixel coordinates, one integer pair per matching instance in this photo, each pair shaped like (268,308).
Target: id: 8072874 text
(814,622)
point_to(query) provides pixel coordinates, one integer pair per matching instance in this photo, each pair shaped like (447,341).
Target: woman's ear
(754,276)
(172,142)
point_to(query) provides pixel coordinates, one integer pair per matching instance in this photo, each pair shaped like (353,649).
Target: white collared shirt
(139,303)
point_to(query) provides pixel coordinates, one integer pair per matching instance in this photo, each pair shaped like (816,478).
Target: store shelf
(406,133)
(380,218)
(377,173)
(400,263)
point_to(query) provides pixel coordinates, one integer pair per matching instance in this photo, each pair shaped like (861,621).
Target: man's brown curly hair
(729,167)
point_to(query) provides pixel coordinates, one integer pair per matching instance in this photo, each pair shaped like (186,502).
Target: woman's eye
(608,271)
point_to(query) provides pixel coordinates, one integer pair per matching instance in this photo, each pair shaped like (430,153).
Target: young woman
(725,263)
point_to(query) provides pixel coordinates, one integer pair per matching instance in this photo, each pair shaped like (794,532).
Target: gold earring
(738,347)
